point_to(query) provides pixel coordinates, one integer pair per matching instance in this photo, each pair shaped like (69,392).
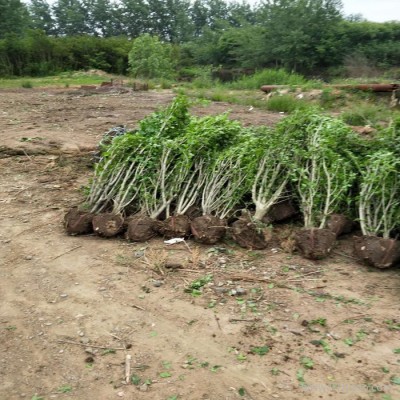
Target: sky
(373,10)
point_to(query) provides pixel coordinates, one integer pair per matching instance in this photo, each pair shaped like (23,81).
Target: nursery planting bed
(266,324)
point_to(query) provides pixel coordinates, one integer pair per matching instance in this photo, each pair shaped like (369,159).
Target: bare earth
(72,308)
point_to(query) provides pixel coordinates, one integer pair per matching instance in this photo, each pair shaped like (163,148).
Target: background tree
(41,16)
(300,33)
(71,17)
(14,17)
(150,58)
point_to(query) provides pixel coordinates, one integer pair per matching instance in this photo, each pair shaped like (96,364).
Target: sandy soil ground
(268,325)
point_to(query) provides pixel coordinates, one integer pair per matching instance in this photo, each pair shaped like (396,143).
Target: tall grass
(268,77)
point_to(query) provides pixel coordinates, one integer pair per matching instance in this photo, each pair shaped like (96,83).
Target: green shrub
(27,84)
(285,103)
(150,58)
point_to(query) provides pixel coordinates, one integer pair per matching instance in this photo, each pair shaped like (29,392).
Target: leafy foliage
(150,58)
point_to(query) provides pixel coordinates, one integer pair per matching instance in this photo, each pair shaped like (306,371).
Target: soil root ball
(208,229)
(280,212)
(377,252)
(108,225)
(140,228)
(177,226)
(78,222)
(339,224)
(248,235)
(315,243)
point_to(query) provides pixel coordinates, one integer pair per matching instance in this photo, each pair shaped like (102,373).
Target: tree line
(312,37)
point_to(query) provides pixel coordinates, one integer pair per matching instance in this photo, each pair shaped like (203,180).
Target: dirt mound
(339,224)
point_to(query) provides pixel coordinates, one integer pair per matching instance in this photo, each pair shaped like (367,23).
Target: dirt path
(72,308)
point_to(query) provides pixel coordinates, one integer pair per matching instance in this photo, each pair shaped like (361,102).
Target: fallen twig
(338,253)
(243,320)
(66,252)
(217,319)
(128,359)
(91,345)
(138,307)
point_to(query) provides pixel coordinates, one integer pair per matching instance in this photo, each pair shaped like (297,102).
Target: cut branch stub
(376,251)
(78,222)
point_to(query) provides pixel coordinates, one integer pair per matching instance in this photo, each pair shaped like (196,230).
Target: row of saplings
(179,175)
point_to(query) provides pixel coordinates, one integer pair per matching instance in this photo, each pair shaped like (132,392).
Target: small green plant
(300,377)
(64,389)
(36,397)
(392,325)
(307,362)
(261,351)
(242,391)
(165,374)
(27,84)
(395,380)
(195,286)
(10,328)
(275,371)
(241,357)
(319,321)
(136,379)
(108,351)
(396,351)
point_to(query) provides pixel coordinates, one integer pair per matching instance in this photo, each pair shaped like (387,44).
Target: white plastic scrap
(174,241)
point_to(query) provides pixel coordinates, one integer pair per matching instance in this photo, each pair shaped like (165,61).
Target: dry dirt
(72,308)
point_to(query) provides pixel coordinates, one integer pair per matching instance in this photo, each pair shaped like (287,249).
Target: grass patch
(269,77)
(62,80)
(286,103)
(363,114)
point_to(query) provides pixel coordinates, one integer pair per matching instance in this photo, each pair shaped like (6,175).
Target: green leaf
(261,351)
(215,368)
(307,362)
(349,341)
(136,379)
(64,389)
(300,377)
(241,357)
(241,391)
(395,380)
(165,375)
(396,351)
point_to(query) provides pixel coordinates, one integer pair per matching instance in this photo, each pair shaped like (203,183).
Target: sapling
(273,153)
(227,179)
(379,198)
(322,172)
(118,174)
